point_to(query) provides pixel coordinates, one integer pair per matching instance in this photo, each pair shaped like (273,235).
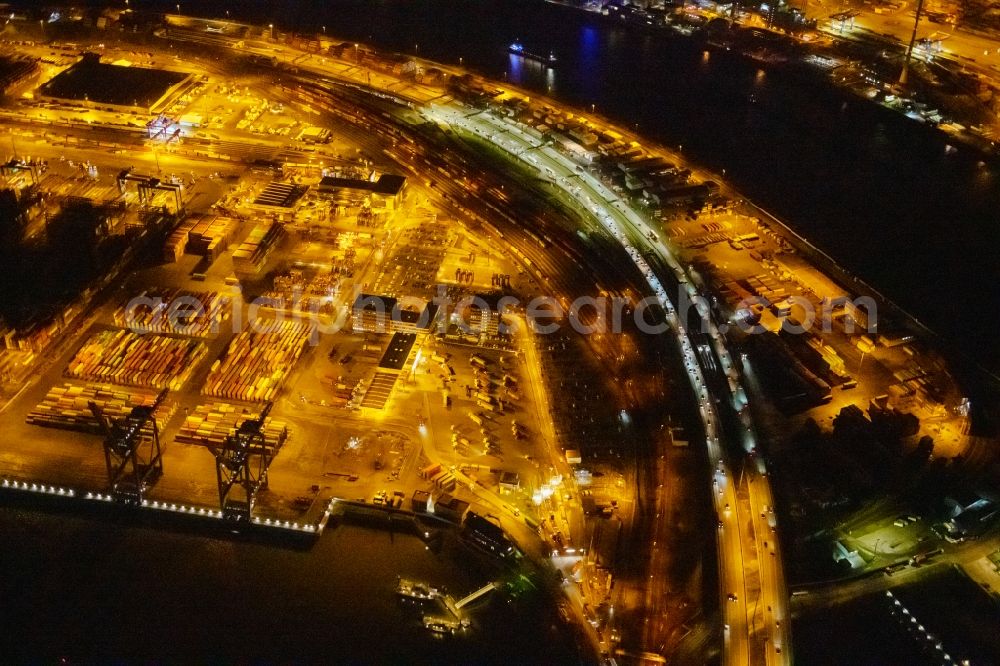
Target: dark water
(86,585)
(875,190)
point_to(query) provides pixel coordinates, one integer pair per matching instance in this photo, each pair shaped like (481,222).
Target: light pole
(271,26)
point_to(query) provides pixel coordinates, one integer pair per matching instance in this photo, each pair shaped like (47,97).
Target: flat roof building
(451,508)
(385,314)
(387,189)
(279,197)
(91,82)
(397,352)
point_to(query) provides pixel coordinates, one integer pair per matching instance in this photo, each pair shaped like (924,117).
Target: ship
(414,590)
(518,49)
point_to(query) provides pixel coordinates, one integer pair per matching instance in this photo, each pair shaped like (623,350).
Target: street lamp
(271,26)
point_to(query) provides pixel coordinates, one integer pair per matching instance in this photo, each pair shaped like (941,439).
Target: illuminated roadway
(622,223)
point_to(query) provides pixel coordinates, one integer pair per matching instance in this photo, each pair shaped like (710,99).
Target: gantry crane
(241,466)
(132,450)
(147,186)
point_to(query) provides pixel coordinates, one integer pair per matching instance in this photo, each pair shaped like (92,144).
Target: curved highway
(737,534)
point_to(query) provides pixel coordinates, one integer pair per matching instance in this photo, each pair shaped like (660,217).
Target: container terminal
(289,258)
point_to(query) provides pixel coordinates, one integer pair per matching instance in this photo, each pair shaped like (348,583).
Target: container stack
(251,254)
(209,237)
(210,424)
(130,359)
(258,361)
(203,236)
(176,243)
(68,406)
(203,312)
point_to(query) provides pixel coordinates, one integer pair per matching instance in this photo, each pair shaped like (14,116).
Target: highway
(624,224)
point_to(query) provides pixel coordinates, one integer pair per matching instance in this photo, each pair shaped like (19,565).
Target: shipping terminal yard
(279,282)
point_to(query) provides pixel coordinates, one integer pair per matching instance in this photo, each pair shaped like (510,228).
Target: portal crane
(241,466)
(132,450)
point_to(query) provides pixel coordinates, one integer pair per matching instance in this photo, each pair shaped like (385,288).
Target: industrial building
(117,87)
(387,190)
(385,314)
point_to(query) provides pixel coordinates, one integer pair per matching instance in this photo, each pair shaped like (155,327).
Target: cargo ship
(414,590)
(518,49)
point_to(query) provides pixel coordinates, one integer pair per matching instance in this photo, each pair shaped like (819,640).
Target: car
(732,597)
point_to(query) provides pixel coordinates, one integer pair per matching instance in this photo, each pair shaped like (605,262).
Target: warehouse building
(385,314)
(385,191)
(115,86)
